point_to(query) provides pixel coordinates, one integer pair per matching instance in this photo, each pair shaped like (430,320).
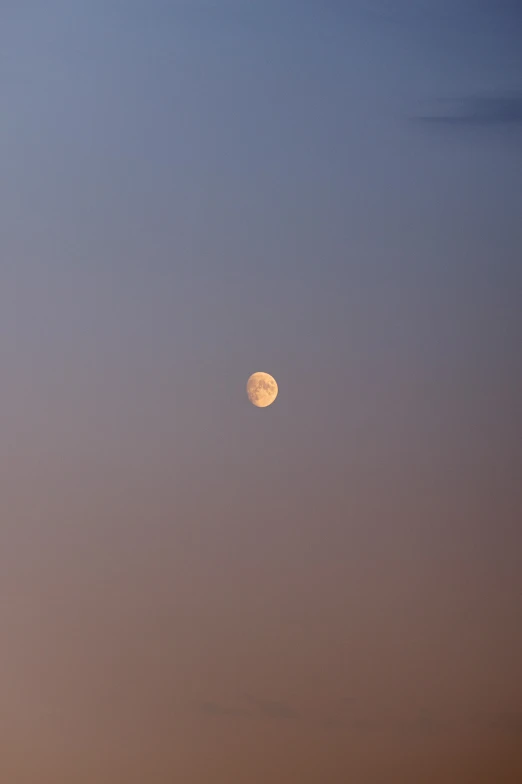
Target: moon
(262,389)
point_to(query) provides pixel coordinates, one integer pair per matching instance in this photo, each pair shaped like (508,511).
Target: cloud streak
(252,708)
(271,709)
(219,710)
(507,722)
(422,723)
(501,109)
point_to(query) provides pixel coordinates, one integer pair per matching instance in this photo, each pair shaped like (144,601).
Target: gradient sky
(194,590)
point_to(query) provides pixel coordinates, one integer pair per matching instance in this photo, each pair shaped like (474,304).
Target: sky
(194,589)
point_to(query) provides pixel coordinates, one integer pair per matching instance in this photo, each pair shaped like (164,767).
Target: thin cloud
(416,724)
(501,109)
(252,708)
(507,722)
(333,723)
(271,709)
(338,717)
(423,723)
(366,724)
(220,710)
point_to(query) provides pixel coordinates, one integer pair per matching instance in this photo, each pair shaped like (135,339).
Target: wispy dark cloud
(339,715)
(449,10)
(423,723)
(333,723)
(271,709)
(250,707)
(219,709)
(419,724)
(342,718)
(503,108)
(507,722)
(365,724)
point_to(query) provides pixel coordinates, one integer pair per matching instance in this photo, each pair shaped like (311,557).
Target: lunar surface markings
(262,389)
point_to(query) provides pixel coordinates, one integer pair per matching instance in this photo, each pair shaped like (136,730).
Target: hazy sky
(194,590)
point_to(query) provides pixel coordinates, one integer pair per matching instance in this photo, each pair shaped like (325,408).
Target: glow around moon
(261,389)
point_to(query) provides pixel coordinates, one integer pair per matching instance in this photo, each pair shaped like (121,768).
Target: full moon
(261,389)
